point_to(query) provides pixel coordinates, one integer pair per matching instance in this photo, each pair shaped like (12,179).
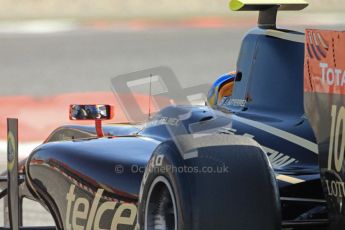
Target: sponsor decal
(161,120)
(336,187)
(332,76)
(317,47)
(83,214)
(228,101)
(278,159)
(324,69)
(11,151)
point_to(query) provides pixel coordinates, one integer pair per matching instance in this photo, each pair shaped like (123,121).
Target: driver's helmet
(221,90)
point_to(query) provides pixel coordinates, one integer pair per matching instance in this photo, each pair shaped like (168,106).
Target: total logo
(332,76)
(81,214)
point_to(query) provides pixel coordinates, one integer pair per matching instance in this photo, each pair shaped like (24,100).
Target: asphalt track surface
(82,61)
(41,65)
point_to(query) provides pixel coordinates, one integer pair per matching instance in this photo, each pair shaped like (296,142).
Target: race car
(248,160)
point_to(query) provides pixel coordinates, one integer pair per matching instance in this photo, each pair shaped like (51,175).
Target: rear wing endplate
(324,103)
(268,9)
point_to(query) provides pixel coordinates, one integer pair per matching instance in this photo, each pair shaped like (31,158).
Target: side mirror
(90,112)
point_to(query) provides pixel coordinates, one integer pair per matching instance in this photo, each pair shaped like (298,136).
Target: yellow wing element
(268,9)
(256,5)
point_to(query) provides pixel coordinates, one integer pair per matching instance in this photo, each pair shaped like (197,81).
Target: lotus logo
(317,46)
(11,151)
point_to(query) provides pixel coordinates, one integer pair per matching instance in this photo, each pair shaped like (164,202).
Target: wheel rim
(160,212)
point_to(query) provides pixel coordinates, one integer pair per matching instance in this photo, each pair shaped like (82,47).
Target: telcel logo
(80,216)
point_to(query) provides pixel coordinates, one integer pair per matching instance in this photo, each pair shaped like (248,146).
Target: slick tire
(177,194)
(163,201)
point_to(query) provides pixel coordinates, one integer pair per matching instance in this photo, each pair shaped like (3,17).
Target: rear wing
(268,9)
(324,102)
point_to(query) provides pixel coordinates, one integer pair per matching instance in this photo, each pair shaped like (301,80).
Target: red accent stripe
(197,22)
(39,116)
